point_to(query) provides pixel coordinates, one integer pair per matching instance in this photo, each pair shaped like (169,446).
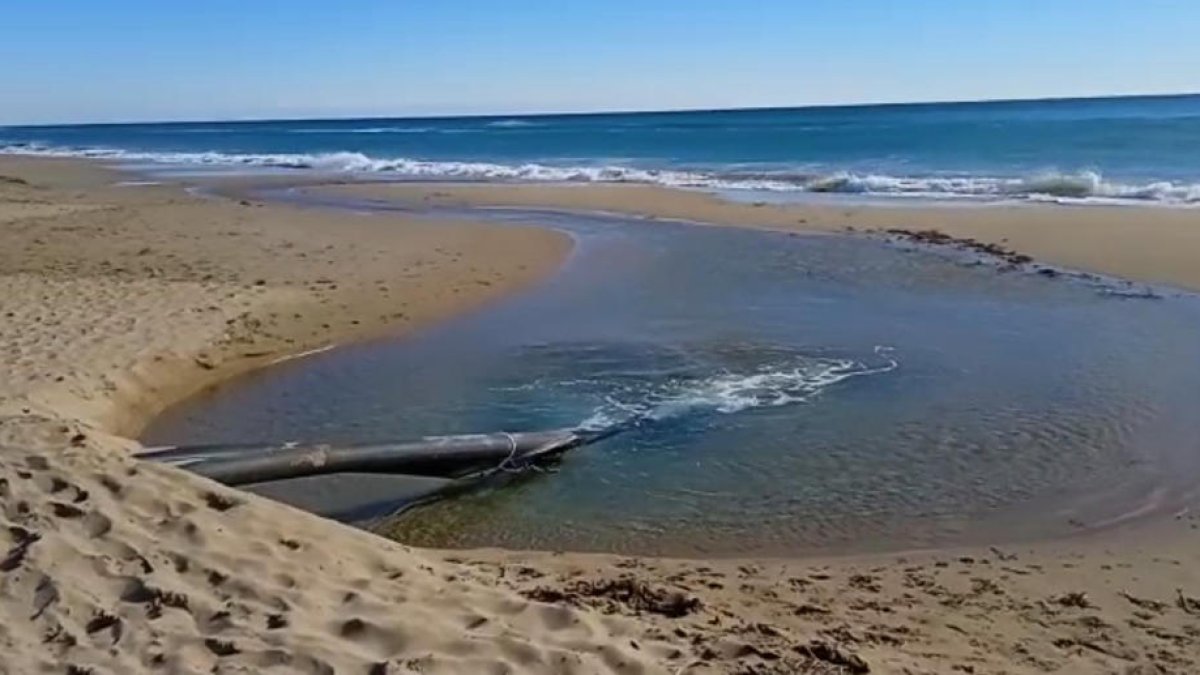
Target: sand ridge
(117,301)
(1153,244)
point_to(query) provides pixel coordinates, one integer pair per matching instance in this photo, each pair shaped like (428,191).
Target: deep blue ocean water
(1123,150)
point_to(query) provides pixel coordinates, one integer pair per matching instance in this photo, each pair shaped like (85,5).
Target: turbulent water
(1116,150)
(779,394)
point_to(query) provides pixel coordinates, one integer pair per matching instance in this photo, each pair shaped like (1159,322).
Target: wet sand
(1157,245)
(118,301)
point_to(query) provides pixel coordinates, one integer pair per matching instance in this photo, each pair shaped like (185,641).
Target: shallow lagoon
(787,393)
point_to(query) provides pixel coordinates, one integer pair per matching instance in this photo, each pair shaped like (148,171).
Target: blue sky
(217,59)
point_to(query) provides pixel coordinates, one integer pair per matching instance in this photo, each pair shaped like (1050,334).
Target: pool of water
(787,394)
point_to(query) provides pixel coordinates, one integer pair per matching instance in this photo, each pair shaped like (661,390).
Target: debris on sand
(1074,599)
(1187,604)
(939,238)
(612,595)
(833,655)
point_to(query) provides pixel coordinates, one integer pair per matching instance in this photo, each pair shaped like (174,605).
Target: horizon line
(618,111)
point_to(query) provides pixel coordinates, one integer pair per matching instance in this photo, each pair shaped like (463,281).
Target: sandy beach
(1156,245)
(120,300)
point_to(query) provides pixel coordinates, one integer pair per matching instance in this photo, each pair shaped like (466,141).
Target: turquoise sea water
(1125,150)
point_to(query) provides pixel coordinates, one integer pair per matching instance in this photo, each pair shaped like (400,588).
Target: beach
(1156,245)
(121,300)
(118,301)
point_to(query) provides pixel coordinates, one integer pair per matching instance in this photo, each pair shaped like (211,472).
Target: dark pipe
(440,456)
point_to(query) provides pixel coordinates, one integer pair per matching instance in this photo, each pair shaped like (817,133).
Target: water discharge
(775,394)
(768,386)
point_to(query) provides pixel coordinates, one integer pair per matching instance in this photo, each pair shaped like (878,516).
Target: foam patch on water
(729,392)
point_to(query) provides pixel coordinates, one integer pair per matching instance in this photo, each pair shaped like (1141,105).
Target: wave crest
(1080,187)
(512,124)
(364,130)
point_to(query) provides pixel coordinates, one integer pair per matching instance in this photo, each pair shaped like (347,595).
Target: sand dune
(117,301)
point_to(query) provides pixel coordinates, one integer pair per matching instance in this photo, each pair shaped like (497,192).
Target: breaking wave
(1079,187)
(1083,186)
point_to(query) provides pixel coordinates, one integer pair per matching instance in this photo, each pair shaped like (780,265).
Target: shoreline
(120,300)
(171,378)
(1148,508)
(1148,245)
(470,610)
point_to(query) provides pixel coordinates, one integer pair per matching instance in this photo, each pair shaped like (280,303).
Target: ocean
(1131,150)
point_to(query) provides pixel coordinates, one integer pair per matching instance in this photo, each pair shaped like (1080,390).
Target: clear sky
(110,60)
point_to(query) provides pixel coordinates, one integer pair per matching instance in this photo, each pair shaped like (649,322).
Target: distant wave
(198,130)
(366,130)
(1050,186)
(1080,187)
(512,124)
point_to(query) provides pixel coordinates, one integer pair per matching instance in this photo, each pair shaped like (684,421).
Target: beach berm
(116,301)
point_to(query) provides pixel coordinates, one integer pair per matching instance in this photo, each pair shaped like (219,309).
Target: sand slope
(117,301)
(1122,602)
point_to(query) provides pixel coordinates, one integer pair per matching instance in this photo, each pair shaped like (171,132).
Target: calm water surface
(797,393)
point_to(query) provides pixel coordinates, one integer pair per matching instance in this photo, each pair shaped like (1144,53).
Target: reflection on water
(785,393)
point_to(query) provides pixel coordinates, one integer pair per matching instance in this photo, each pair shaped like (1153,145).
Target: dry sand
(117,301)
(1159,245)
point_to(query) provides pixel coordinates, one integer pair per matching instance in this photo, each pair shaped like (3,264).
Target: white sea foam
(512,124)
(729,393)
(1080,187)
(363,130)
